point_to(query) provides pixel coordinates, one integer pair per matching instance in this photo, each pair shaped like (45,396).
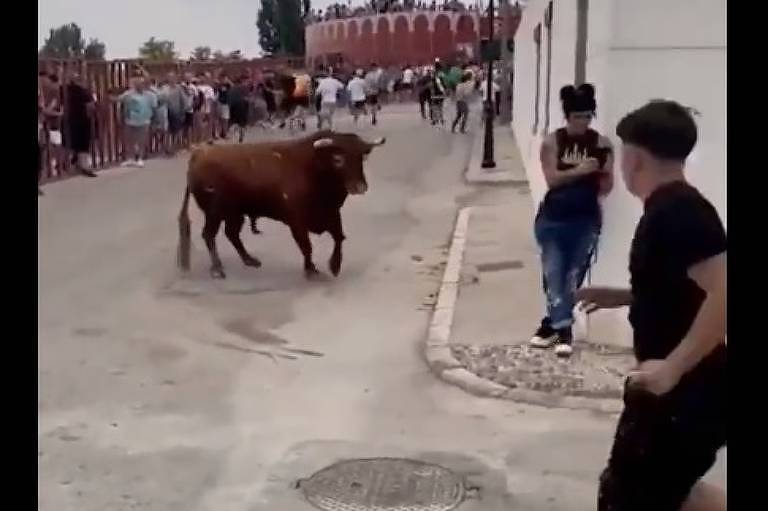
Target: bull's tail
(185,234)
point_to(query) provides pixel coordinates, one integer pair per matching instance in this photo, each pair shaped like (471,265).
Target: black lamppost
(488,161)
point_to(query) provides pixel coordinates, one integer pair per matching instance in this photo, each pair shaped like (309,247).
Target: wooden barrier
(107,78)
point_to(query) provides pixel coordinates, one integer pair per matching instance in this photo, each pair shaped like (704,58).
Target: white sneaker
(563,350)
(139,163)
(544,338)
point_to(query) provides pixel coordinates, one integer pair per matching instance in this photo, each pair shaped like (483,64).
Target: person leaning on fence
(79,103)
(53,111)
(177,101)
(160,114)
(137,106)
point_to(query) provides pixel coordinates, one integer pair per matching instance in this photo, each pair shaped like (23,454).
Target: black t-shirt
(678,229)
(579,198)
(78,99)
(223,89)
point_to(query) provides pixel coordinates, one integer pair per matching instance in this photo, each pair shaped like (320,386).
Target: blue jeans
(566,249)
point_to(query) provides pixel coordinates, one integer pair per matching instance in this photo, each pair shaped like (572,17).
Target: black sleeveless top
(577,199)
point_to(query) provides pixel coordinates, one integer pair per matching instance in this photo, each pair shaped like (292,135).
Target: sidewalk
(488,310)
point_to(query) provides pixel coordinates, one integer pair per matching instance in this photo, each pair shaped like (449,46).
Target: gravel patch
(595,371)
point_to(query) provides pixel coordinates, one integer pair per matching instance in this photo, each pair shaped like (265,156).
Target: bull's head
(345,153)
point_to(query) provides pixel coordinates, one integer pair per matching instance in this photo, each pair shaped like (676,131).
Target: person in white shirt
(373,84)
(464,92)
(328,89)
(356,89)
(406,87)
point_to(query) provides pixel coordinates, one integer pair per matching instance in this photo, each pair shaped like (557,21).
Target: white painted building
(632,51)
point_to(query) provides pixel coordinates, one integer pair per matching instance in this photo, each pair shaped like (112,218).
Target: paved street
(166,394)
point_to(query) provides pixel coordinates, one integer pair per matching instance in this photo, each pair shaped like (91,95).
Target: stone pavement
(482,324)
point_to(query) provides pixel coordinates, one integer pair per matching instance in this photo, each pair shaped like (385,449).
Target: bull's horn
(379,141)
(323,142)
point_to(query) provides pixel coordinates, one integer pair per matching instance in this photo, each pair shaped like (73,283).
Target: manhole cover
(384,484)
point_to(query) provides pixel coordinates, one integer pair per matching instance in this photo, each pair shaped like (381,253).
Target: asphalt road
(165,393)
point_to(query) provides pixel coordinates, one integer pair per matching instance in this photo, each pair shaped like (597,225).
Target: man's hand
(588,166)
(591,299)
(656,376)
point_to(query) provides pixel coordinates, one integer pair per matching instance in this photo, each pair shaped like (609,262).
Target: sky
(123,25)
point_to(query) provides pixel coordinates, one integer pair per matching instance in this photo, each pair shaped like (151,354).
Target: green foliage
(202,53)
(95,50)
(158,50)
(281,26)
(64,42)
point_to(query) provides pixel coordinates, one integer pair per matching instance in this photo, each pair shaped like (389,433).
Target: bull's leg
(232,226)
(301,235)
(336,231)
(254,227)
(210,230)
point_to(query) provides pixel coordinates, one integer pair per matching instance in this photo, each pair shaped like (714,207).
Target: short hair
(664,128)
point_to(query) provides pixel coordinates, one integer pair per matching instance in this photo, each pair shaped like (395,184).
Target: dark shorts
(663,446)
(372,99)
(175,122)
(238,113)
(358,105)
(189,120)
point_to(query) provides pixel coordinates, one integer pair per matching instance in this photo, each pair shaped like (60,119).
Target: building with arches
(396,39)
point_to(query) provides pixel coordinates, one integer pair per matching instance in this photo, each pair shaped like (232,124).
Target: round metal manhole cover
(384,484)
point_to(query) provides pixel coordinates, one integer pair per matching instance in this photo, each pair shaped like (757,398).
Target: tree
(202,53)
(64,42)
(95,50)
(219,55)
(269,40)
(290,27)
(158,50)
(281,26)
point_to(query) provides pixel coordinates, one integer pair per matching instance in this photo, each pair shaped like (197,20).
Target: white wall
(636,51)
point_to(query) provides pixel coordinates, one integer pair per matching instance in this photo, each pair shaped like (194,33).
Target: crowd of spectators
(345,10)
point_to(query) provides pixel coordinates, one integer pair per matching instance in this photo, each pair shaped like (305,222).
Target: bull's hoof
(313,274)
(252,262)
(218,273)
(335,267)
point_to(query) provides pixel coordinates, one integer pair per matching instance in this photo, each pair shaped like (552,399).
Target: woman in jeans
(578,168)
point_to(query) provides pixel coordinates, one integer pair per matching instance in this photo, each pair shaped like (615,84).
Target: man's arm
(709,327)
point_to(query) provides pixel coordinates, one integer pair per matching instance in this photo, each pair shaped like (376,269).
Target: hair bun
(587,89)
(567,92)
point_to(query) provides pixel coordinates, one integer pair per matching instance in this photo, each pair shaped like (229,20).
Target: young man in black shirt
(674,421)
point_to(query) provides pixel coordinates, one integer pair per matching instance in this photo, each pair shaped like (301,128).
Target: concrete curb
(500,176)
(437,349)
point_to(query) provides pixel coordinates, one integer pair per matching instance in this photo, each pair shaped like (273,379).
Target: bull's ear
(323,142)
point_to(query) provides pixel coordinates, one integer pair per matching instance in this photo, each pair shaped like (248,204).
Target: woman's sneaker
(545,337)
(564,343)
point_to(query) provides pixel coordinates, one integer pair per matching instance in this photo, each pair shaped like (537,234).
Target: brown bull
(302,183)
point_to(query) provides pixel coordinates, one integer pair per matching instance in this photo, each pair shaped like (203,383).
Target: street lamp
(488,161)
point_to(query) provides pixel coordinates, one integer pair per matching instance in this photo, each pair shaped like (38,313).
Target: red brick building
(398,38)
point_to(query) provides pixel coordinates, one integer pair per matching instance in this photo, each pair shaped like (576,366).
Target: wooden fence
(106,78)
